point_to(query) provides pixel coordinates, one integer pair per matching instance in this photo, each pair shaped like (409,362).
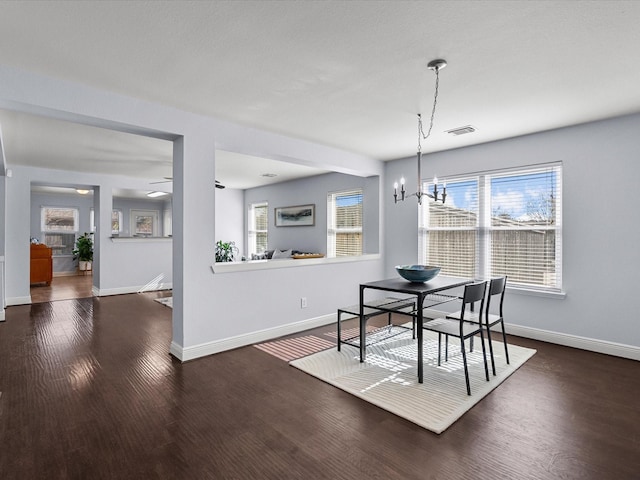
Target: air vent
(269,175)
(462,130)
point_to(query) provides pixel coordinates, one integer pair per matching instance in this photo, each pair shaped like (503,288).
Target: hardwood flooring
(89,391)
(63,288)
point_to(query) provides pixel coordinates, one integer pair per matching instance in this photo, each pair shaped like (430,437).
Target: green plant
(225,251)
(84,248)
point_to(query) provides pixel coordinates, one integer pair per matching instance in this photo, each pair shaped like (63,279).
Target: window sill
(537,293)
(233,267)
(140,239)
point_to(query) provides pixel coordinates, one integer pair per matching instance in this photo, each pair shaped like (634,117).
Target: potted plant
(225,251)
(84,252)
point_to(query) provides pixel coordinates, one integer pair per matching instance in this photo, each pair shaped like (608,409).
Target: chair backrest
(473,293)
(497,286)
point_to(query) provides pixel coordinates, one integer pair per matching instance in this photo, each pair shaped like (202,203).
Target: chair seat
(473,317)
(448,326)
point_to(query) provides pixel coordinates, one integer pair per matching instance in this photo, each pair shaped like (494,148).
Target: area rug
(389,377)
(166,301)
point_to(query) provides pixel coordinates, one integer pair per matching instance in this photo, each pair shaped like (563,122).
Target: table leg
(363,328)
(420,336)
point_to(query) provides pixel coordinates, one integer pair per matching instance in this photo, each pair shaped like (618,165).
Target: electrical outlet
(303,302)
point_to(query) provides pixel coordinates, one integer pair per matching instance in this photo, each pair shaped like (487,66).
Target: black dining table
(429,291)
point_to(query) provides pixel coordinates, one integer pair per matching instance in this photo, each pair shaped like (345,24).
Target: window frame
(252,230)
(55,232)
(333,230)
(485,227)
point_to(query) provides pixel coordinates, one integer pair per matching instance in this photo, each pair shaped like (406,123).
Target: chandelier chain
(433,112)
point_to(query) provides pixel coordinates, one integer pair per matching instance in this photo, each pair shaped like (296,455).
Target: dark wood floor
(63,288)
(90,392)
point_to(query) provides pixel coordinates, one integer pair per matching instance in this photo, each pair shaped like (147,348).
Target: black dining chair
(462,329)
(497,287)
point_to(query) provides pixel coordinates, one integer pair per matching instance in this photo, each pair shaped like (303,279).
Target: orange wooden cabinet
(41,264)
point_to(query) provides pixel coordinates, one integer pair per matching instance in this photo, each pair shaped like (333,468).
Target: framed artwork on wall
(297,216)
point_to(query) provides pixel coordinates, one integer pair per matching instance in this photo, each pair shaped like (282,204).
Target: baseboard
(574,341)
(105,292)
(204,349)
(71,273)
(12,301)
(583,343)
(2,315)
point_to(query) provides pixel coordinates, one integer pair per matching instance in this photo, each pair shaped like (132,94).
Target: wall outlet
(303,302)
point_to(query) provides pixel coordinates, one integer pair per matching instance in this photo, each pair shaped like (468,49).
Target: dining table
(427,294)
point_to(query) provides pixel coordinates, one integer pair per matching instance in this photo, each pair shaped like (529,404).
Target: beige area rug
(166,301)
(389,377)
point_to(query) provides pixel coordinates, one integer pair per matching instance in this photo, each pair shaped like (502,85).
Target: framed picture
(298,216)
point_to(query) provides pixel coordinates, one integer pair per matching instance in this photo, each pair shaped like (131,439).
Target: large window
(258,228)
(498,223)
(59,226)
(344,223)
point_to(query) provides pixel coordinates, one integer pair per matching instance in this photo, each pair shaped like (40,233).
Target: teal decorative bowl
(417,273)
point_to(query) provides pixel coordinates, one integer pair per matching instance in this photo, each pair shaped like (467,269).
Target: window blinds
(344,223)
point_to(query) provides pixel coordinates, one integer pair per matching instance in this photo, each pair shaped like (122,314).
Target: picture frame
(295,216)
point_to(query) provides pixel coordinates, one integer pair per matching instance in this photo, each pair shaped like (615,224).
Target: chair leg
(446,348)
(484,355)
(504,339)
(493,362)
(466,370)
(339,332)
(439,346)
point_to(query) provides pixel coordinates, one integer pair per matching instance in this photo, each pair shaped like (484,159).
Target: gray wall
(600,229)
(127,204)
(314,190)
(230,217)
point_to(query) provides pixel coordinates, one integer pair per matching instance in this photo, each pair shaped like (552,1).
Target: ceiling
(350,75)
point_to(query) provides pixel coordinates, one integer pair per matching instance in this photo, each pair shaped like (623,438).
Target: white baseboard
(70,273)
(204,349)
(584,343)
(210,348)
(105,292)
(2,316)
(11,301)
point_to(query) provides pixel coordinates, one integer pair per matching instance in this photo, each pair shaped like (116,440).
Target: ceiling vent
(462,130)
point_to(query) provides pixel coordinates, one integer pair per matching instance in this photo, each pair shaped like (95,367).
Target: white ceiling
(351,75)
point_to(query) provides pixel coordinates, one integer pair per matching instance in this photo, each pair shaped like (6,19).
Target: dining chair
(463,329)
(497,287)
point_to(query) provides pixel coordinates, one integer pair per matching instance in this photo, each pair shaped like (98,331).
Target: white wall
(601,259)
(230,217)
(208,308)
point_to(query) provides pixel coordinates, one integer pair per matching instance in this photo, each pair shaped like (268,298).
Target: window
(59,226)
(144,223)
(258,228)
(499,223)
(344,223)
(116,221)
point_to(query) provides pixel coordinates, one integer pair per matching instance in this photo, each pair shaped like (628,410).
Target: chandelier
(436,66)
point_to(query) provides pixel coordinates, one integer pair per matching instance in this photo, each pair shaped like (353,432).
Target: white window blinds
(449,232)
(344,223)
(498,223)
(258,228)
(525,227)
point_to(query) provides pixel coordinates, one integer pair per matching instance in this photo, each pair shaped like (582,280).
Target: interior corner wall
(230,217)
(600,258)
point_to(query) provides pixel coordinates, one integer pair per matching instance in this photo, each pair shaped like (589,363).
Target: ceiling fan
(170,179)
